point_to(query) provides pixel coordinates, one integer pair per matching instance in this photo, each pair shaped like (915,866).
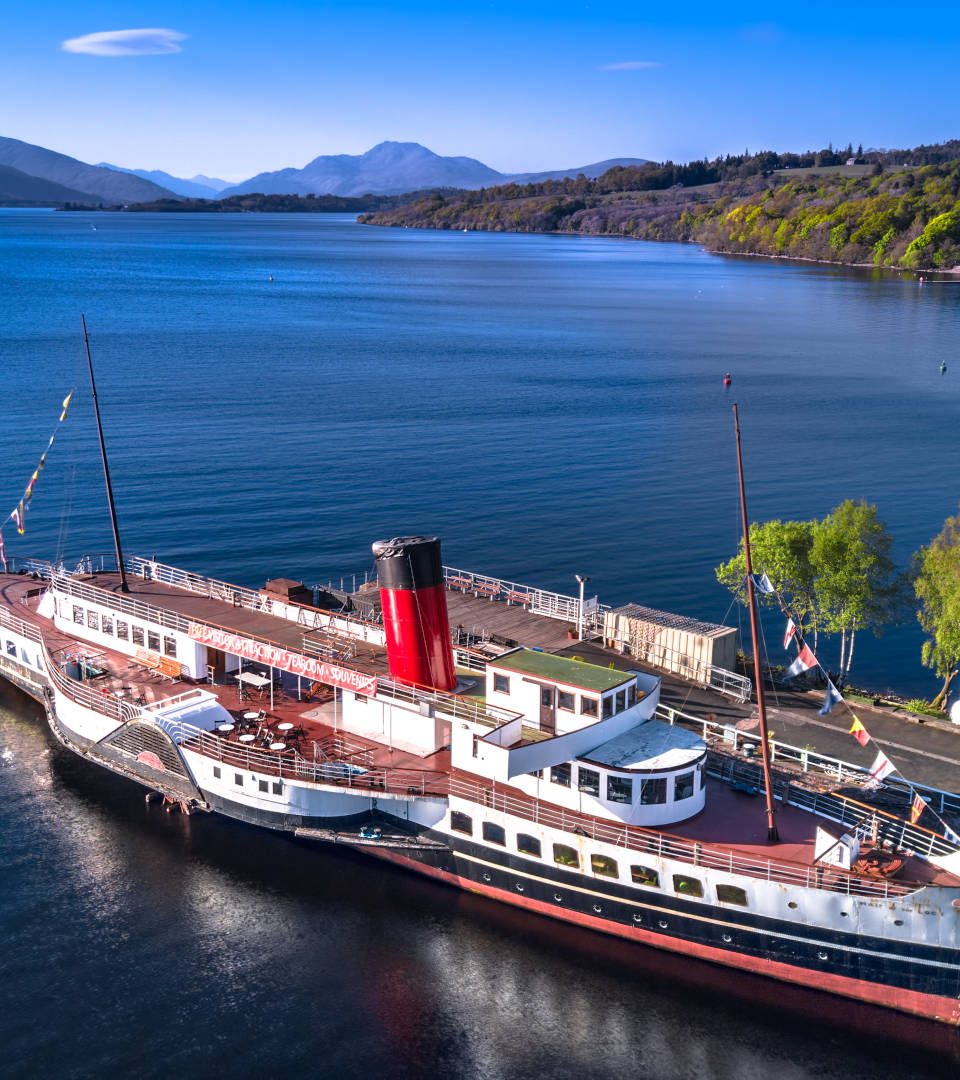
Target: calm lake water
(278,392)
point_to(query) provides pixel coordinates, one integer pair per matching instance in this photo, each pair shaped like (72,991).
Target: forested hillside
(900,216)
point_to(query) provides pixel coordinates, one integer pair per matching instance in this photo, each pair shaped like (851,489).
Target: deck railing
(642,841)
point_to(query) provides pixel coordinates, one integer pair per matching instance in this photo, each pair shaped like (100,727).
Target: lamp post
(582,579)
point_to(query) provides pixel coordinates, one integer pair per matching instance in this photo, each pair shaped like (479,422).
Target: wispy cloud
(153,42)
(632,65)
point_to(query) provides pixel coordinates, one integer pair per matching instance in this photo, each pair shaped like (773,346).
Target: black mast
(772,835)
(124,587)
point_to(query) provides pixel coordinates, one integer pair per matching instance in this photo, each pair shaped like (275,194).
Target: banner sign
(273,656)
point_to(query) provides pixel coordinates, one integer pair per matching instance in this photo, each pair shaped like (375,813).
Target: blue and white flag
(831,698)
(762,583)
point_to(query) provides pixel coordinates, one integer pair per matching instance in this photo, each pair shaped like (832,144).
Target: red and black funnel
(414,603)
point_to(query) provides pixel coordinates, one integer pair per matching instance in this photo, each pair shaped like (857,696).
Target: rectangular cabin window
(564,855)
(106,624)
(631,695)
(153,640)
(170,646)
(238,779)
(216,772)
(619,789)
(78,614)
(645,875)
(607,707)
(588,706)
(528,845)
(546,697)
(264,785)
(687,886)
(136,634)
(560,774)
(12,649)
(360,699)
(93,620)
(123,630)
(501,684)
(461,822)
(604,866)
(566,700)
(653,791)
(278,787)
(588,781)
(683,786)
(494,834)
(621,700)
(732,894)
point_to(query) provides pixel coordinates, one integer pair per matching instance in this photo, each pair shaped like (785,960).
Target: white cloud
(632,65)
(126,43)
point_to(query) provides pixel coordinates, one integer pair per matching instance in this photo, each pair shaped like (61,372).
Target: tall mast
(772,835)
(124,587)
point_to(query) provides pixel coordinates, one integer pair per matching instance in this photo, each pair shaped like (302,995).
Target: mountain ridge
(195,188)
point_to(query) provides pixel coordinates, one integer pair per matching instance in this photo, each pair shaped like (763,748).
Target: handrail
(18,626)
(642,841)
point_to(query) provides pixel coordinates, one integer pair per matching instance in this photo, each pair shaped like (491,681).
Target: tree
(781,550)
(857,584)
(937,587)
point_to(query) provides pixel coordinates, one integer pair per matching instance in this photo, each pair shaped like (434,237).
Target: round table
(247,738)
(278,746)
(251,716)
(225,727)
(285,727)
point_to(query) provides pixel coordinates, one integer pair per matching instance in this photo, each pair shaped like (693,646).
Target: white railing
(730,683)
(537,601)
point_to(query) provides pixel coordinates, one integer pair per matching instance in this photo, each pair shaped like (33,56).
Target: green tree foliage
(937,587)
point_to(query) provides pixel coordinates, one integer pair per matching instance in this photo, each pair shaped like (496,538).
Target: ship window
(12,649)
(264,785)
(278,787)
(588,706)
(106,624)
(588,781)
(153,640)
(619,789)
(645,875)
(604,866)
(136,634)
(687,886)
(93,620)
(546,697)
(501,684)
(360,699)
(683,786)
(170,646)
(494,834)
(560,774)
(216,772)
(238,779)
(528,845)
(621,700)
(608,706)
(732,894)
(653,791)
(461,822)
(537,774)
(78,614)
(566,700)
(631,695)
(123,631)
(564,855)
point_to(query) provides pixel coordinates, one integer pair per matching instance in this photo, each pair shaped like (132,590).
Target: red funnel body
(415,611)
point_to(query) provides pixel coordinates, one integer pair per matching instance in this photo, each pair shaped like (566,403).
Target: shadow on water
(155,943)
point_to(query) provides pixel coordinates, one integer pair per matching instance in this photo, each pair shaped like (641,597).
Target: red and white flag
(882,767)
(804,662)
(917,807)
(790,633)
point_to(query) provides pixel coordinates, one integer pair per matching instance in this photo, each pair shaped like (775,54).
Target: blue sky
(240,87)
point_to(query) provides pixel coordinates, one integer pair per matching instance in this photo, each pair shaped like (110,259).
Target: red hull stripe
(930,1006)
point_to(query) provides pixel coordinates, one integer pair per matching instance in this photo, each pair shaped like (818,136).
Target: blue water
(548,405)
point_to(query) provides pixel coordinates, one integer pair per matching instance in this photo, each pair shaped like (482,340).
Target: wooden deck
(510,622)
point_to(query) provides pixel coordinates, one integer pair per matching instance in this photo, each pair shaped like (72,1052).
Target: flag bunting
(831,698)
(790,633)
(859,732)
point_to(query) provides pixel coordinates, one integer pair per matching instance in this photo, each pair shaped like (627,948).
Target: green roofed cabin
(557,694)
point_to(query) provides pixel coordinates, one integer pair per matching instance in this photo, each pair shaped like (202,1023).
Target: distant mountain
(204,187)
(388,169)
(106,185)
(17,188)
(392,168)
(598,168)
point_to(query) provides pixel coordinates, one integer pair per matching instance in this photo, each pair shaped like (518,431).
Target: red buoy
(727,380)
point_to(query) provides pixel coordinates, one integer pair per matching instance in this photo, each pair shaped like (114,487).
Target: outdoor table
(278,746)
(285,727)
(225,727)
(247,738)
(251,716)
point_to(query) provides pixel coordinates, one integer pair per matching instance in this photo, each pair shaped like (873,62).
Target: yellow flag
(66,405)
(859,732)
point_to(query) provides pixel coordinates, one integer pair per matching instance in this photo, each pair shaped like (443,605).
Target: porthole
(518,887)
(792,904)
(727,939)
(486,877)
(637,918)
(844,914)
(558,898)
(898,922)
(663,924)
(821,955)
(597,908)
